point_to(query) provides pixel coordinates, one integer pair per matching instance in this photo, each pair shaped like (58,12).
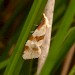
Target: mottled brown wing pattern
(32,47)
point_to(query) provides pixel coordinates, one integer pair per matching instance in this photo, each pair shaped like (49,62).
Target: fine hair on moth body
(32,47)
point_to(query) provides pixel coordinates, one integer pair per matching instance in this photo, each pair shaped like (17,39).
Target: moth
(32,47)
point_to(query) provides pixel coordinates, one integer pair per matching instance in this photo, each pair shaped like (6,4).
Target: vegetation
(17,20)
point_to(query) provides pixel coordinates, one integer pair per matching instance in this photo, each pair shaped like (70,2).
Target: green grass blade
(58,3)
(72,72)
(52,64)
(64,48)
(24,35)
(3,64)
(59,13)
(12,41)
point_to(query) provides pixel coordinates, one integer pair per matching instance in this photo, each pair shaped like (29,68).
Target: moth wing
(32,50)
(32,47)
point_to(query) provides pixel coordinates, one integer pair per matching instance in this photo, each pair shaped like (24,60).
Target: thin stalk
(4,63)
